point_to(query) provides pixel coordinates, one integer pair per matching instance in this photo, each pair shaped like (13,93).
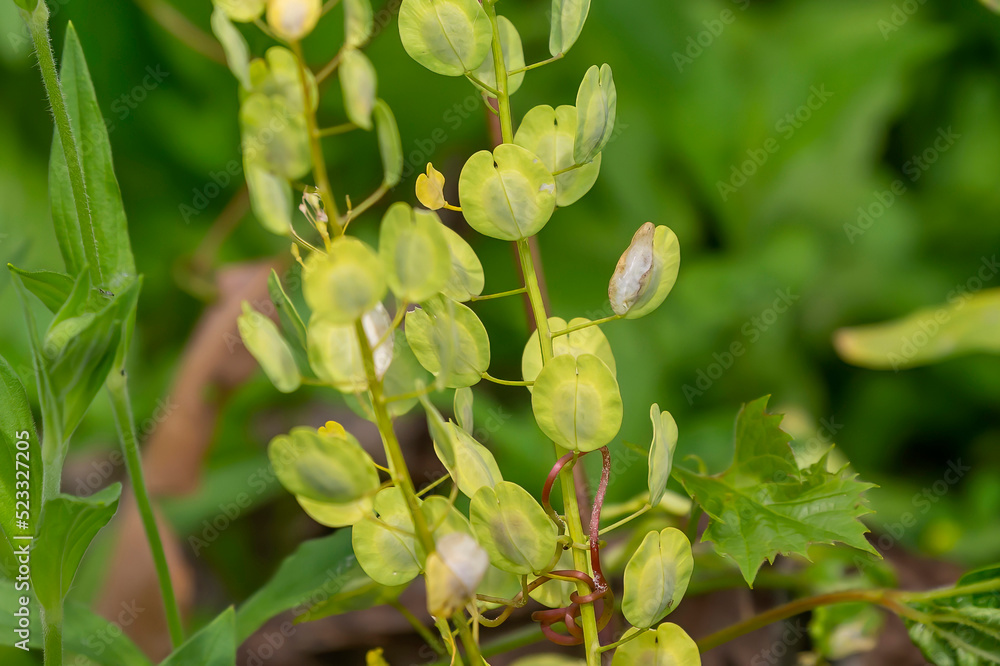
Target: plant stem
(336,129)
(503,96)
(38,25)
(315,148)
(415,622)
(588,324)
(468,641)
(506,382)
(691,531)
(393,453)
(520,637)
(487,297)
(791,609)
(536,65)
(52,630)
(626,519)
(122,407)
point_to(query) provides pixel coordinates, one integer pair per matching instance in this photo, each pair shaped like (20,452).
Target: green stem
(52,629)
(626,519)
(336,129)
(122,407)
(536,65)
(517,638)
(38,24)
(468,641)
(588,324)
(488,297)
(946,592)
(506,382)
(424,632)
(691,531)
(315,148)
(791,609)
(482,84)
(503,96)
(393,452)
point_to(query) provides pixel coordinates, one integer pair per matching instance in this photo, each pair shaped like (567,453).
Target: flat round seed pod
(551,135)
(466,279)
(449,341)
(358,83)
(596,109)
(323,467)
(646,272)
(345,283)
(474,465)
(274,135)
(264,341)
(270,198)
(590,340)
(335,354)
(669,645)
(568,17)
(513,528)
(449,37)
(513,58)
(415,253)
(358,22)
(577,403)
(507,194)
(277,75)
(661,452)
(656,577)
(390,146)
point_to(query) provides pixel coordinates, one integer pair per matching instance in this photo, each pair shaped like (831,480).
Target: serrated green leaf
(764,504)
(67,526)
(107,230)
(213,645)
(960,628)
(967,325)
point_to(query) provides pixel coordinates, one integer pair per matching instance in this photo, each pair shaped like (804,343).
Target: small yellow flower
(430,188)
(333,428)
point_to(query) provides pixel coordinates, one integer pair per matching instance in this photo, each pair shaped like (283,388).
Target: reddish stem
(553,475)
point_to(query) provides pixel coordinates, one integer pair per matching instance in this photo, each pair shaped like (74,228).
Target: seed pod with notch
(414,252)
(577,403)
(449,37)
(346,282)
(551,135)
(596,109)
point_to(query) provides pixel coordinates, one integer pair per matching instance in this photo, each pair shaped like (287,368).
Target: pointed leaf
(390,146)
(213,645)
(358,82)
(51,288)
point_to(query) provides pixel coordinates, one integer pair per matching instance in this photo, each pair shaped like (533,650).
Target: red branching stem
(553,475)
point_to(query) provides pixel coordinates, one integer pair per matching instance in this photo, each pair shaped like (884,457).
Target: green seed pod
(462,405)
(513,58)
(242,11)
(292,20)
(454,571)
(335,355)
(646,272)
(274,135)
(448,37)
(277,75)
(467,278)
(588,340)
(513,528)
(345,283)
(324,467)
(596,108)
(656,577)
(507,194)
(394,556)
(669,645)
(550,134)
(234,45)
(474,466)
(390,146)
(358,22)
(568,17)
(266,344)
(497,583)
(358,82)
(661,452)
(449,341)
(576,402)
(270,198)
(414,250)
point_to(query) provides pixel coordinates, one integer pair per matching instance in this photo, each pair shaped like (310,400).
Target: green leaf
(513,528)
(323,467)
(646,272)
(414,251)
(513,58)
(590,340)
(264,341)
(966,325)
(116,265)
(960,627)
(358,22)
(596,109)
(669,645)
(320,576)
(233,43)
(68,524)
(51,288)
(214,645)
(661,452)
(449,341)
(577,403)
(358,82)
(507,194)
(568,17)
(764,504)
(448,37)
(390,146)
(467,278)
(551,135)
(20,467)
(344,283)
(656,577)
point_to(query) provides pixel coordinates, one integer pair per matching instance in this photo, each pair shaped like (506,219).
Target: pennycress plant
(393,327)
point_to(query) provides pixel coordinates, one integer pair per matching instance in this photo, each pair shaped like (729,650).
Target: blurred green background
(700,93)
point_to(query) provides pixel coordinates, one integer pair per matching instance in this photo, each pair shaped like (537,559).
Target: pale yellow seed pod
(454,571)
(430,188)
(293,19)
